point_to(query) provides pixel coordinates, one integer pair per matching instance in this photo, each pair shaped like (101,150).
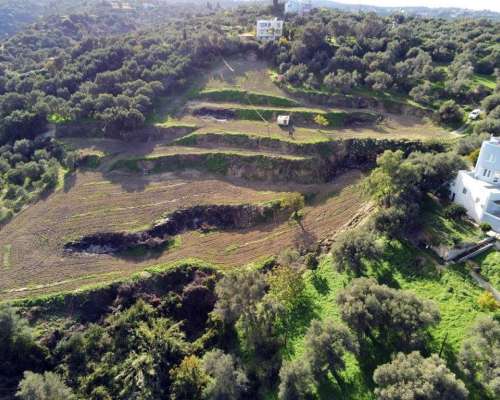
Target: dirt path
(485,284)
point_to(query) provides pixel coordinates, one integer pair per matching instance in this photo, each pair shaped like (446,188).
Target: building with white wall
(269,29)
(300,7)
(479,190)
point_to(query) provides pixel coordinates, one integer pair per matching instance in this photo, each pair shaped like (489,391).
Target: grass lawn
(404,267)
(486,80)
(322,287)
(451,288)
(490,266)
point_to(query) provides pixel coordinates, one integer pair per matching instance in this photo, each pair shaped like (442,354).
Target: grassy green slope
(403,267)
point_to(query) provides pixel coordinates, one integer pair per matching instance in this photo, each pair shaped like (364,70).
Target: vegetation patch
(334,119)
(245,97)
(488,81)
(251,166)
(6,256)
(489,265)
(443,230)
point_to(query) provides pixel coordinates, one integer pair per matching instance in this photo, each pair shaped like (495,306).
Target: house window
(464,191)
(491,158)
(485,171)
(496,176)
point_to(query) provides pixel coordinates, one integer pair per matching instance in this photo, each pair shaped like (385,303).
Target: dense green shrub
(455,211)
(411,376)
(485,227)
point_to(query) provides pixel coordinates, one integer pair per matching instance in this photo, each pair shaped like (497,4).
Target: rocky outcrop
(202,217)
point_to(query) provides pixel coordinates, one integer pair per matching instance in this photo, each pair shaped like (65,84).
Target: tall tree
(48,386)
(326,345)
(413,377)
(480,354)
(226,380)
(394,317)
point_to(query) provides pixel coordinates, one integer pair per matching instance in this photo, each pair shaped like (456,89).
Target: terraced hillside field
(217,161)
(32,244)
(237,83)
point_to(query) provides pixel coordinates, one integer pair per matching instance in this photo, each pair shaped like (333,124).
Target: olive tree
(225,380)
(238,294)
(395,317)
(480,354)
(413,377)
(48,386)
(296,381)
(351,249)
(326,345)
(450,112)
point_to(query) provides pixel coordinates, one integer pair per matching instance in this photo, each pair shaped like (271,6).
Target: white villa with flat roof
(299,7)
(479,190)
(269,29)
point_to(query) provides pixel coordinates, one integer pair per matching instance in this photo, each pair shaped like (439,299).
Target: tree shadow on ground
(69,181)
(384,274)
(347,389)
(370,357)
(300,317)
(304,240)
(320,284)
(411,262)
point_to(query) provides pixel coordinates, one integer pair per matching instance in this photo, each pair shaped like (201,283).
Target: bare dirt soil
(393,127)
(91,203)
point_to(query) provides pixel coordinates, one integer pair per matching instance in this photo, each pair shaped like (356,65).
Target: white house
(479,190)
(269,29)
(300,7)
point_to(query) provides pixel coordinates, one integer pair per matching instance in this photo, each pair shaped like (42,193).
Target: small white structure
(283,120)
(269,29)
(479,190)
(474,114)
(300,7)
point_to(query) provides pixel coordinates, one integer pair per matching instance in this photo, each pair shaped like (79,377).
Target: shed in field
(283,120)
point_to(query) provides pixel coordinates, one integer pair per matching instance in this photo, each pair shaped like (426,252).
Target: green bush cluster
(29,168)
